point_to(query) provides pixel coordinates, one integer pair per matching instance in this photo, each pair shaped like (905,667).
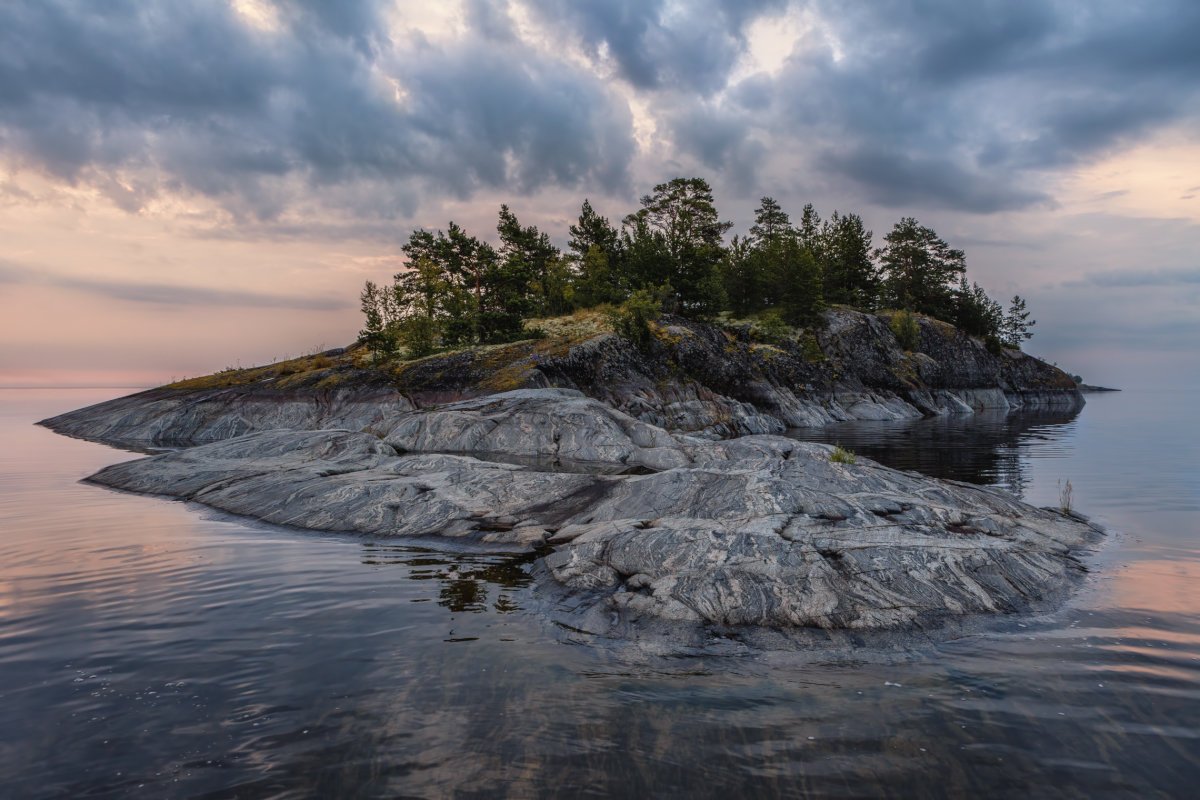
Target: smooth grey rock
(757,531)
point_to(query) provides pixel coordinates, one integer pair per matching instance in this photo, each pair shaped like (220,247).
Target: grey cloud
(967,106)
(658,44)
(164,293)
(138,99)
(896,179)
(929,103)
(721,143)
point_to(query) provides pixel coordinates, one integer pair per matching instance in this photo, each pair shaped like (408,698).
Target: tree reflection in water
(467,579)
(987,448)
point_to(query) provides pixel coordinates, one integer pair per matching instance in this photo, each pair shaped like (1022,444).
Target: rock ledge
(635,523)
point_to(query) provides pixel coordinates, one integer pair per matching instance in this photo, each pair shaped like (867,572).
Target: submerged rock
(635,523)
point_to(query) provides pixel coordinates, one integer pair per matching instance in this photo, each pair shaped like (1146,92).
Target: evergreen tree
(595,248)
(810,231)
(378,332)
(849,274)
(920,269)
(420,295)
(740,275)
(680,217)
(1016,325)
(771,223)
(594,282)
(529,253)
(974,312)
(799,283)
(592,230)
(648,262)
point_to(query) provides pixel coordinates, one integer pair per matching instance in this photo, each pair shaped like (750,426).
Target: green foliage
(920,269)
(975,313)
(906,330)
(529,269)
(677,237)
(597,256)
(771,327)
(460,291)
(741,274)
(379,332)
(841,455)
(799,280)
(848,274)
(1014,330)
(595,282)
(631,320)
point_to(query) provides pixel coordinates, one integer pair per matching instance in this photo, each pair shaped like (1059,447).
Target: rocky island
(649,481)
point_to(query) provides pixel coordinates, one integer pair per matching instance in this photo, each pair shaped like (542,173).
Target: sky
(188,185)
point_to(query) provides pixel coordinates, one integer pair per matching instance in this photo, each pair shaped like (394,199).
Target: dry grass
(285,373)
(577,327)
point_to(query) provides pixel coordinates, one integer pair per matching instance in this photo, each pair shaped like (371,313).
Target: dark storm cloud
(137,98)
(163,293)
(657,44)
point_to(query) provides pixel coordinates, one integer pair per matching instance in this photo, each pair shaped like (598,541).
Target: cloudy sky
(192,184)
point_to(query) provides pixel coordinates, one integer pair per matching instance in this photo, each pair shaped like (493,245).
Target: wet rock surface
(634,525)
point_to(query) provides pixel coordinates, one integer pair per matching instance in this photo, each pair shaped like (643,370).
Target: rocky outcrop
(633,523)
(168,417)
(698,378)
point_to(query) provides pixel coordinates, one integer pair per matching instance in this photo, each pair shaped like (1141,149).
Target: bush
(771,327)
(904,327)
(631,320)
(841,455)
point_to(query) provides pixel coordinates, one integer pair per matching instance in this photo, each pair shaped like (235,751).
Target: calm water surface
(150,648)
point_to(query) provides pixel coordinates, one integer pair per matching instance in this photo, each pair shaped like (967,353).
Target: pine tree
(920,269)
(810,231)
(377,333)
(849,274)
(974,312)
(1015,329)
(528,253)
(801,300)
(681,217)
(770,223)
(741,276)
(595,251)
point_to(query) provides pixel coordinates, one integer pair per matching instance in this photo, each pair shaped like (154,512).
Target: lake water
(153,649)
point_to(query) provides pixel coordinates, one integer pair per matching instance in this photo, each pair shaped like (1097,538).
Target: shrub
(631,320)
(841,455)
(904,327)
(771,327)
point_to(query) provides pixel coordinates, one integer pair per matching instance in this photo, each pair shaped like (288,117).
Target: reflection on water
(149,648)
(465,579)
(991,448)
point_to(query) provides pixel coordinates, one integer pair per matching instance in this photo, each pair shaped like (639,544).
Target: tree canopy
(671,252)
